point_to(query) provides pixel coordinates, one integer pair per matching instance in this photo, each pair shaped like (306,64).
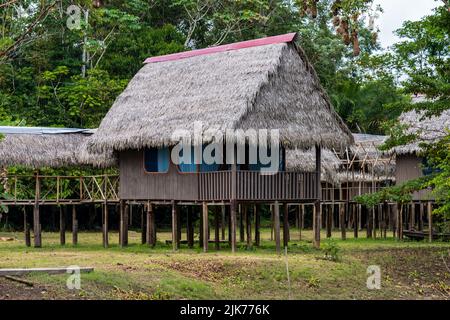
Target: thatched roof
(49,147)
(366,145)
(427,129)
(261,84)
(300,160)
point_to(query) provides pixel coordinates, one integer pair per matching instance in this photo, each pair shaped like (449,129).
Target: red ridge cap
(227,47)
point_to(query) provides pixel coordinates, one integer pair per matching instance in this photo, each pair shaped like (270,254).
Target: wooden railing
(252,185)
(59,189)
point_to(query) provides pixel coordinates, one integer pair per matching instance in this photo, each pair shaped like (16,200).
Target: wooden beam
(175,243)
(400,221)
(26,228)
(257,225)
(233,207)
(355,220)
(74,226)
(143,225)
(62,225)
(190,228)
(317,208)
(421,216)
(285,225)
(430,221)
(151,227)
(105,225)
(276,226)
(328,218)
(217,218)
(36,214)
(223,224)
(248,224)
(205,226)
(179,209)
(342,221)
(21,271)
(241,223)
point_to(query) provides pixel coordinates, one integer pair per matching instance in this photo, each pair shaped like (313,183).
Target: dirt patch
(413,272)
(11,290)
(213,270)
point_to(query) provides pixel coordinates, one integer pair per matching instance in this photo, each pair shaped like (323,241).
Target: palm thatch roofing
(426,129)
(261,84)
(300,160)
(35,147)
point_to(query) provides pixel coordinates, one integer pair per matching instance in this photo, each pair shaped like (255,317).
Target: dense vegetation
(52,74)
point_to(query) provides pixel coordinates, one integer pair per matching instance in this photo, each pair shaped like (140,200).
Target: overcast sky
(397,11)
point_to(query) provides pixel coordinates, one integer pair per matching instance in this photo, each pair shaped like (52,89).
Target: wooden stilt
(224,220)
(233,208)
(174,226)
(342,221)
(300,220)
(271,222)
(412,216)
(143,224)
(317,208)
(200,231)
(36,214)
(355,221)
(105,225)
(217,218)
(248,225)
(62,225)
(190,228)
(430,221)
(316,223)
(74,225)
(328,212)
(420,222)
(285,225)
(257,225)
(229,228)
(400,221)
(150,225)
(205,227)
(369,223)
(241,224)
(26,228)
(179,225)
(276,220)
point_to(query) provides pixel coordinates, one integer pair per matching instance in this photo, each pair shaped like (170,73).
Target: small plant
(332,251)
(313,282)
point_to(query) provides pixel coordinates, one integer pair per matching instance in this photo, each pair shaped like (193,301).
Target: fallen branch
(25,282)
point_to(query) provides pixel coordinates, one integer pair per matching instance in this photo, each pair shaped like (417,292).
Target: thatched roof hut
(35,148)
(427,129)
(305,161)
(261,84)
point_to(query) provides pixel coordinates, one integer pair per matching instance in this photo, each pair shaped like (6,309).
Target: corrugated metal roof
(227,47)
(43,130)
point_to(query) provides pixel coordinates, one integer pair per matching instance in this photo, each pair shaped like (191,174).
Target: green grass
(409,269)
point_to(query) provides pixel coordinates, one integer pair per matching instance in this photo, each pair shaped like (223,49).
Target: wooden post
(241,224)
(150,225)
(217,217)
(285,225)
(300,209)
(271,222)
(74,225)
(105,225)
(36,214)
(200,231)
(328,218)
(420,216)
(143,227)
(190,228)
(248,224)
(400,221)
(205,227)
(317,209)
(369,222)
(26,228)
(342,221)
(355,221)
(412,221)
(224,221)
(178,225)
(276,222)
(123,222)
(257,225)
(174,226)
(430,221)
(233,208)
(62,226)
